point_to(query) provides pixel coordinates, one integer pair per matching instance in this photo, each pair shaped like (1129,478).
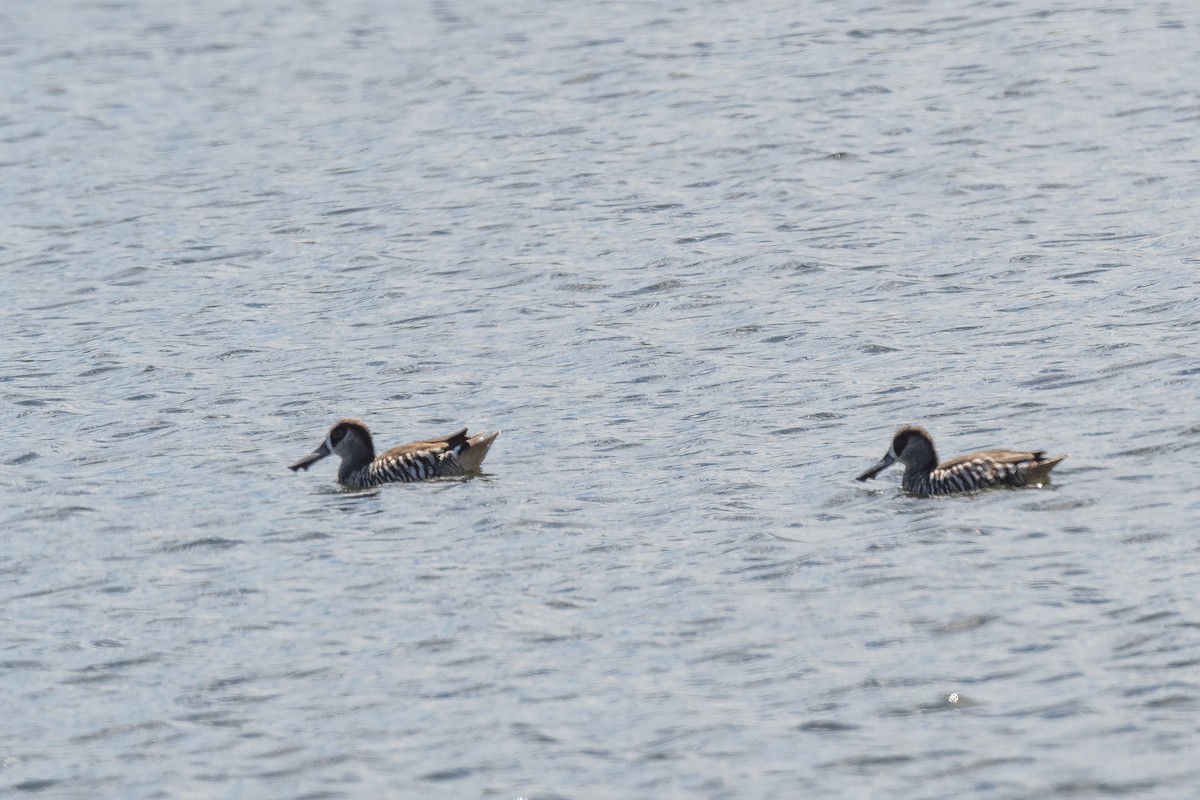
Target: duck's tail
(1039,470)
(477,448)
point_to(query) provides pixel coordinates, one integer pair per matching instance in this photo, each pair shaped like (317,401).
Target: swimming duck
(923,476)
(446,456)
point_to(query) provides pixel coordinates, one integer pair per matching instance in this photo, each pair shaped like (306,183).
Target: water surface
(698,263)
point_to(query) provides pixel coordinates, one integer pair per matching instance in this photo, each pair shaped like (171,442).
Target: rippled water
(698,263)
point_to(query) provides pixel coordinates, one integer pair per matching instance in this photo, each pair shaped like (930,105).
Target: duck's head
(912,446)
(348,439)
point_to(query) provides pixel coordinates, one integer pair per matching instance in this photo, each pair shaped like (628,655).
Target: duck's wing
(468,451)
(999,456)
(441,444)
(1030,466)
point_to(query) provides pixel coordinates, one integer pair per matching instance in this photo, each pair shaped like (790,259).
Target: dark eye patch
(899,443)
(337,434)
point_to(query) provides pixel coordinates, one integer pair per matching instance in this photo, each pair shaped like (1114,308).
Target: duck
(913,447)
(438,457)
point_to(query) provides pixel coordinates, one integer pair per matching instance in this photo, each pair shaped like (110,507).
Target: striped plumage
(924,476)
(447,456)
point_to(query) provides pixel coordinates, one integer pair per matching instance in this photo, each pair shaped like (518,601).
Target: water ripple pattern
(698,262)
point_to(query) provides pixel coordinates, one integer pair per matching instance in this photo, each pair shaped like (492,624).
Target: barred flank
(409,467)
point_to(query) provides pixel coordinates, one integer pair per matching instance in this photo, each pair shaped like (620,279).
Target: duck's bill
(878,468)
(311,458)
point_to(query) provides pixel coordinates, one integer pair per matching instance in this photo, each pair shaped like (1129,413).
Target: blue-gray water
(698,263)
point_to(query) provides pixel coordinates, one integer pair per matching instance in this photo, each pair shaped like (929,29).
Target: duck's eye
(337,435)
(899,443)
